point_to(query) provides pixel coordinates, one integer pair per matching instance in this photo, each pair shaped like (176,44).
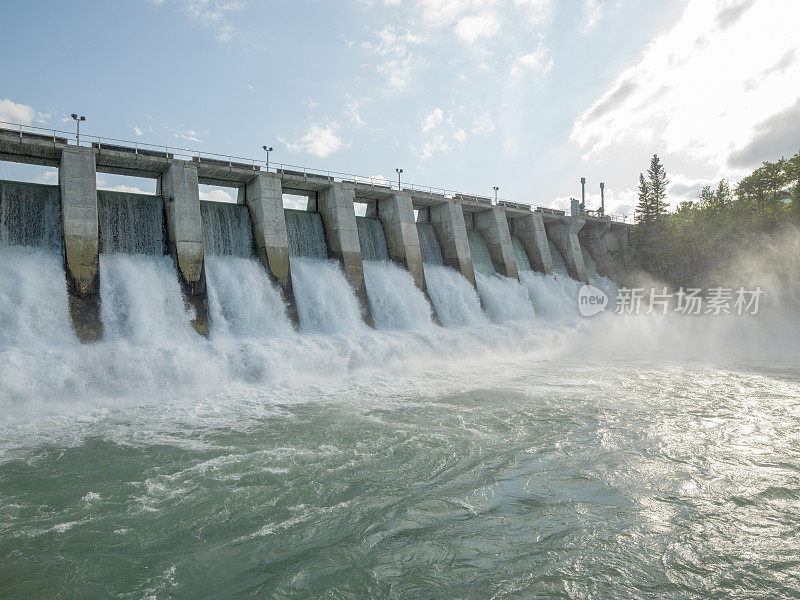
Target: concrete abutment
(531,232)
(493,226)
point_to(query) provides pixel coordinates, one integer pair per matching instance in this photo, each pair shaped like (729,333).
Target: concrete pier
(335,206)
(564,234)
(77,180)
(530,230)
(178,187)
(607,243)
(397,216)
(493,226)
(264,198)
(448,223)
(593,237)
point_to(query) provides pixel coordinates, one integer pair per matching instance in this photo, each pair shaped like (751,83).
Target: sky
(526,95)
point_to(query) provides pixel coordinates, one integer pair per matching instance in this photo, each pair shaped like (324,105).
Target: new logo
(591,300)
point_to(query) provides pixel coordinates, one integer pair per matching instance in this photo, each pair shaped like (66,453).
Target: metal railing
(58,136)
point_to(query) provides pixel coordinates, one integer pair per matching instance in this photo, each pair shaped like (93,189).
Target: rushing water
(226,229)
(130,223)
(559,266)
(555,457)
(481,258)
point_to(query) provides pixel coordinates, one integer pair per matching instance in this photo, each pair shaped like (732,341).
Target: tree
(644,210)
(658,182)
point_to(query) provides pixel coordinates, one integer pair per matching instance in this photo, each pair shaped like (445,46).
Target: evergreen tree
(658,182)
(644,212)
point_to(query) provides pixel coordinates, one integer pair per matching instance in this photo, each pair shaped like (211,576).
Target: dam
(418,258)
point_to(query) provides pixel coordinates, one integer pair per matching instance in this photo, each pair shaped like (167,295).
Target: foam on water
(243,302)
(395,301)
(504,299)
(455,300)
(325,301)
(555,297)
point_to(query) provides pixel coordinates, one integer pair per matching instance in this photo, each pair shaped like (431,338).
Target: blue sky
(528,95)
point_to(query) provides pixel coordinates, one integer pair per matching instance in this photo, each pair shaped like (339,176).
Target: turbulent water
(559,266)
(555,457)
(130,223)
(394,300)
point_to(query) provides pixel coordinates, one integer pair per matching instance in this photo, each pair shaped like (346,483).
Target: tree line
(685,247)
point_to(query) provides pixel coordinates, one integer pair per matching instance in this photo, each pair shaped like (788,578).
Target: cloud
(432,120)
(460,135)
(137,131)
(483,123)
(319,141)
(352,109)
(593,11)
(678,100)
(539,10)
(214,14)
(189,135)
(471,29)
(776,136)
(537,61)
(49,177)
(128,189)
(398,59)
(16,113)
(437,144)
(216,195)
(731,13)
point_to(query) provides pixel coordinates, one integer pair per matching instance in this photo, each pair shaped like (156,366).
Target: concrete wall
(593,237)
(335,206)
(608,244)
(178,187)
(448,223)
(264,198)
(397,216)
(530,231)
(493,226)
(77,180)
(564,234)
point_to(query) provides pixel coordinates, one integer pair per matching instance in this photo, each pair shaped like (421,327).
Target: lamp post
(78,120)
(602,199)
(495,188)
(583,194)
(267,149)
(398,178)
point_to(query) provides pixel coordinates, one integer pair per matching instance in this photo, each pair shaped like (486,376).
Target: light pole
(78,120)
(495,188)
(267,149)
(602,199)
(583,194)
(398,178)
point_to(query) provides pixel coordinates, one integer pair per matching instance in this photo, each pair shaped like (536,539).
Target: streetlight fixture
(495,188)
(267,149)
(398,178)
(78,120)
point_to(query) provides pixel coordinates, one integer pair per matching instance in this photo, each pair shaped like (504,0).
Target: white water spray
(395,301)
(325,301)
(504,298)
(453,297)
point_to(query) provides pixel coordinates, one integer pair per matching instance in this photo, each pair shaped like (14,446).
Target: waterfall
(325,301)
(554,297)
(141,300)
(394,299)
(372,239)
(503,298)
(226,229)
(523,264)
(30,215)
(591,266)
(481,258)
(34,310)
(429,244)
(559,266)
(305,233)
(242,300)
(130,223)
(454,298)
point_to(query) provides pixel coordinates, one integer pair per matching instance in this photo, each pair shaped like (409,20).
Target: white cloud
(137,131)
(698,96)
(432,120)
(214,14)
(319,141)
(129,189)
(431,147)
(471,29)
(538,61)
(188,135)
(397,57)
(593,11)
(483,123)
(539,10)
(48,177)
(460,135)
(14,112)
(352,108)
(216,195)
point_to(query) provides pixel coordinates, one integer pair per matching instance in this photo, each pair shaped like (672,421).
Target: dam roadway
(332,195)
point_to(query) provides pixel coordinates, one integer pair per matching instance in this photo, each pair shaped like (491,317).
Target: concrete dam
(134,265)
